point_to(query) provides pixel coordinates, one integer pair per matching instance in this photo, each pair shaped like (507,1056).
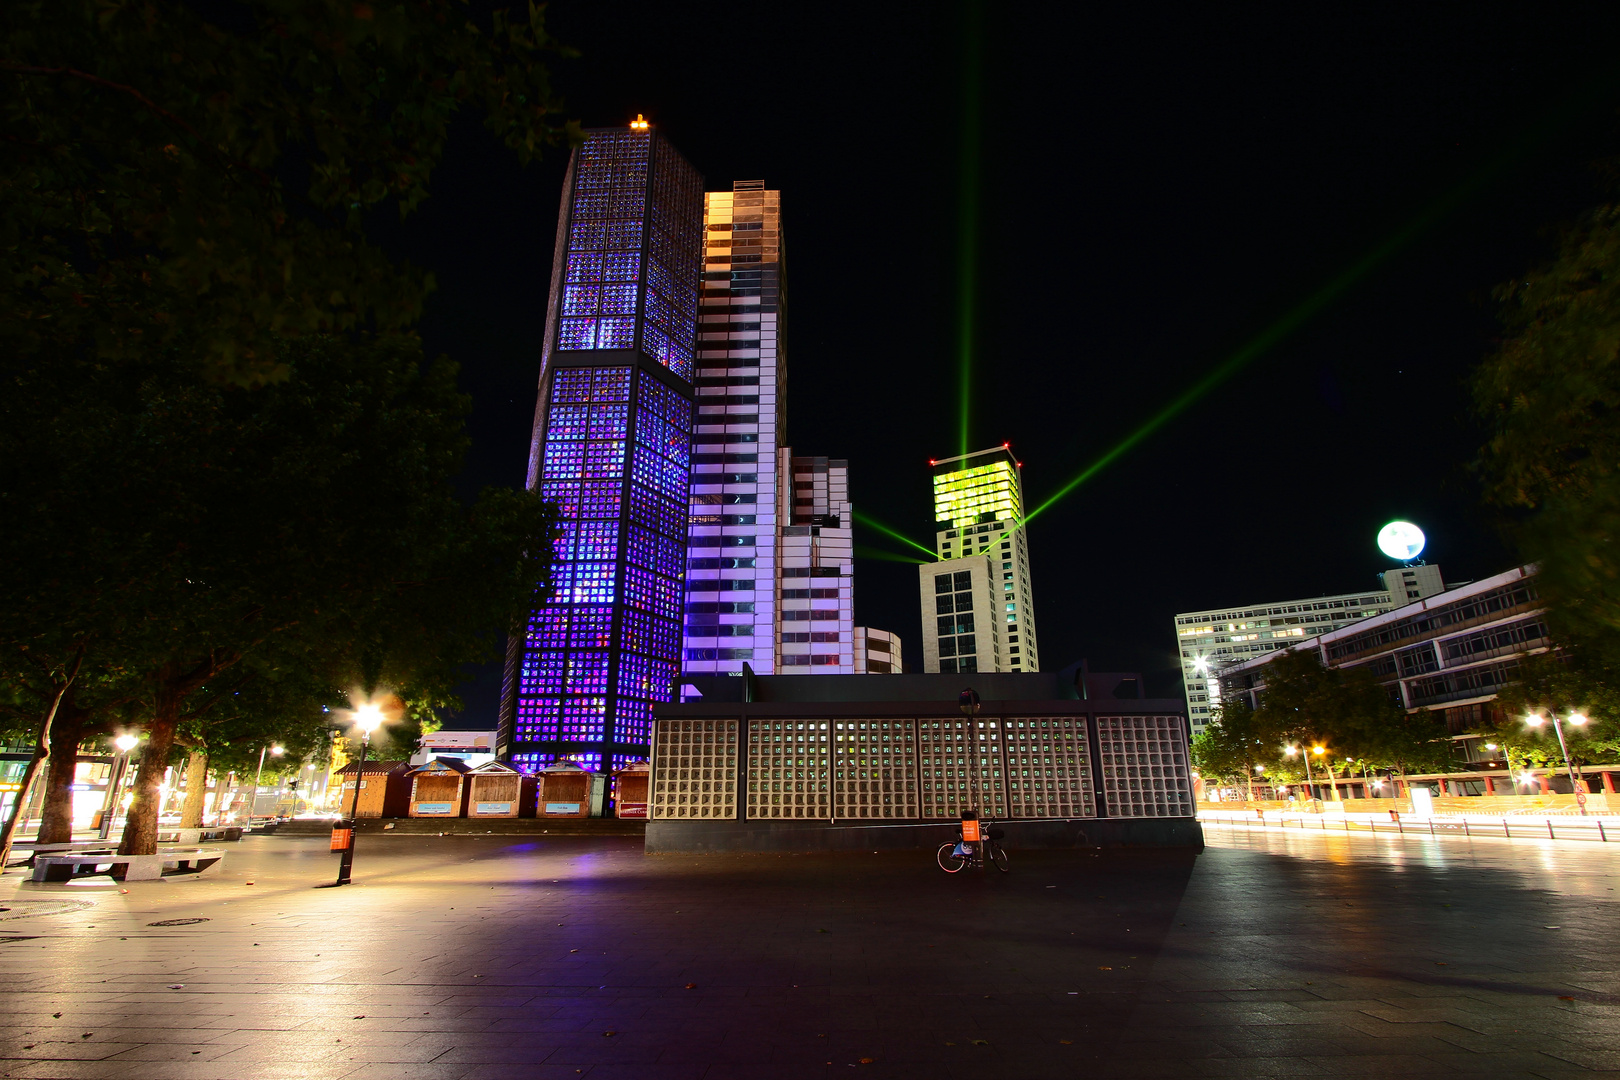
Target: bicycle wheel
(948,861)
(998,855)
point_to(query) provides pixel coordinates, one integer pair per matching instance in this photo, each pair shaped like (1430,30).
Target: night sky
(1159,185)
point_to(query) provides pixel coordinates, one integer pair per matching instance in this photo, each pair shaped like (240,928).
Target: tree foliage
(1304,705)
(1550,397)
(223,555)
(202,171)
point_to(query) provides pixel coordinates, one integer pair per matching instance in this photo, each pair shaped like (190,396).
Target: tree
(244,538)
(1550,398)
(1236,745)
(1345,711)
(199,175)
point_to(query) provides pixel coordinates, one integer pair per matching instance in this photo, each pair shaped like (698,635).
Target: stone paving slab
(483,958)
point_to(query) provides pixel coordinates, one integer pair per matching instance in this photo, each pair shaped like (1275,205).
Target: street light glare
(277,751)
(1290,750)
(1318,750)
(1535,720)
(125,743)
(1578,719)
(368,717)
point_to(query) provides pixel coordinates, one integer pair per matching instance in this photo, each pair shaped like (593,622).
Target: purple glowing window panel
(618,300)
(577,334)
(621,267)
(584,267)
(610,421)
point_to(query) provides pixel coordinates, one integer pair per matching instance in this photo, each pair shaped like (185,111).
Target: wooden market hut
(385,789)
(439,789)
(498,790)
(565,790)
(630,790)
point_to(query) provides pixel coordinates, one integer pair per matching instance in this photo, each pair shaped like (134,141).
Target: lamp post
(124,743)
(968,702)
(368,718)
(1578,720)
(253,800)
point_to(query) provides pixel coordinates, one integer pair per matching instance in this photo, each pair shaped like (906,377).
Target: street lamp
(1535,720)
(115,780)
(368,718)
(253,800)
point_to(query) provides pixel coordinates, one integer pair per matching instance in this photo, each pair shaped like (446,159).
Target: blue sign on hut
(439,789)
(500,791)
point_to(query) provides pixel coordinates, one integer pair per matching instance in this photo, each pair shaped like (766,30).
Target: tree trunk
(56,821)
(191,812)
(141,823)
(42,754)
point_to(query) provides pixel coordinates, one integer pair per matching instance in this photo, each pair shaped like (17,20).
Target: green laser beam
(1301,313)
(864,552)
(878,526)
(967,252)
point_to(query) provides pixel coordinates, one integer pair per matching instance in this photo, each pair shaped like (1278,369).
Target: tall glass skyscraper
(734,558)
(976,609)
(611,448)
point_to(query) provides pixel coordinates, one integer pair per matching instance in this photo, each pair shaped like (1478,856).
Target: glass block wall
(612,451)
(731,600)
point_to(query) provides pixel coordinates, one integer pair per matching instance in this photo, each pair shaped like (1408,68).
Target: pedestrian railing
(1552,825)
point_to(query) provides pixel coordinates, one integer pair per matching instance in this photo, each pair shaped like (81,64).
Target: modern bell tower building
(612,448)
(976,609)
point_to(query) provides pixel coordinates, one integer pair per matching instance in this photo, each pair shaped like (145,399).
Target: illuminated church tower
(611,448)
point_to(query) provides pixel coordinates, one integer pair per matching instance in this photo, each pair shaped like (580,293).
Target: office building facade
(818,567)
(611,447)
(977,609)
(1450,652)
(877,652)
(734,558)
(1210,642)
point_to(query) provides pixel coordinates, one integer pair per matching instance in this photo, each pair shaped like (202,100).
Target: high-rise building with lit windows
(818,567)
(611,448)
(977,613)
(732,581)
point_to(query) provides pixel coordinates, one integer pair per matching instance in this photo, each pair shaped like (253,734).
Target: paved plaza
(472,958)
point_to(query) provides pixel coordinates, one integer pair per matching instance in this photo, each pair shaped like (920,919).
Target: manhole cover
(176,922)
(30,909)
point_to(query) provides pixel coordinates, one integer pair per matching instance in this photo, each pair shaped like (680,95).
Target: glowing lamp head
(639,123)
(1535,720)
(277,750)
(1291,750)
(1318,751)
(1490,746)
(1401,540)
(368,717)
(125,743)
(1578,719)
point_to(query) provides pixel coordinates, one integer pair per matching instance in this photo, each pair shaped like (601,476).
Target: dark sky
(1160,184)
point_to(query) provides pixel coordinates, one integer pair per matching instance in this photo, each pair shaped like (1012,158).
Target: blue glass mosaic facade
(612,450)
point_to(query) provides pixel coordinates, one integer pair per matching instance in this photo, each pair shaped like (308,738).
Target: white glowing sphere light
(1401,540)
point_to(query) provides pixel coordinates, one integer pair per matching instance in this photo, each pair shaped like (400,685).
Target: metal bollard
(1505,828)
(1603,836)
(1465,828)
(1550,835)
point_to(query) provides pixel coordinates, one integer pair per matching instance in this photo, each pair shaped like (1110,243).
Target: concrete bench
(30,851)
(204,835)
(173,863)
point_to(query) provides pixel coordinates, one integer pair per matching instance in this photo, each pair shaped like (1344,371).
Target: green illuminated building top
(982,486)
(976,607)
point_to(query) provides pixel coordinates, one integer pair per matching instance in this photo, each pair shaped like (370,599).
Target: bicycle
(963,852)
